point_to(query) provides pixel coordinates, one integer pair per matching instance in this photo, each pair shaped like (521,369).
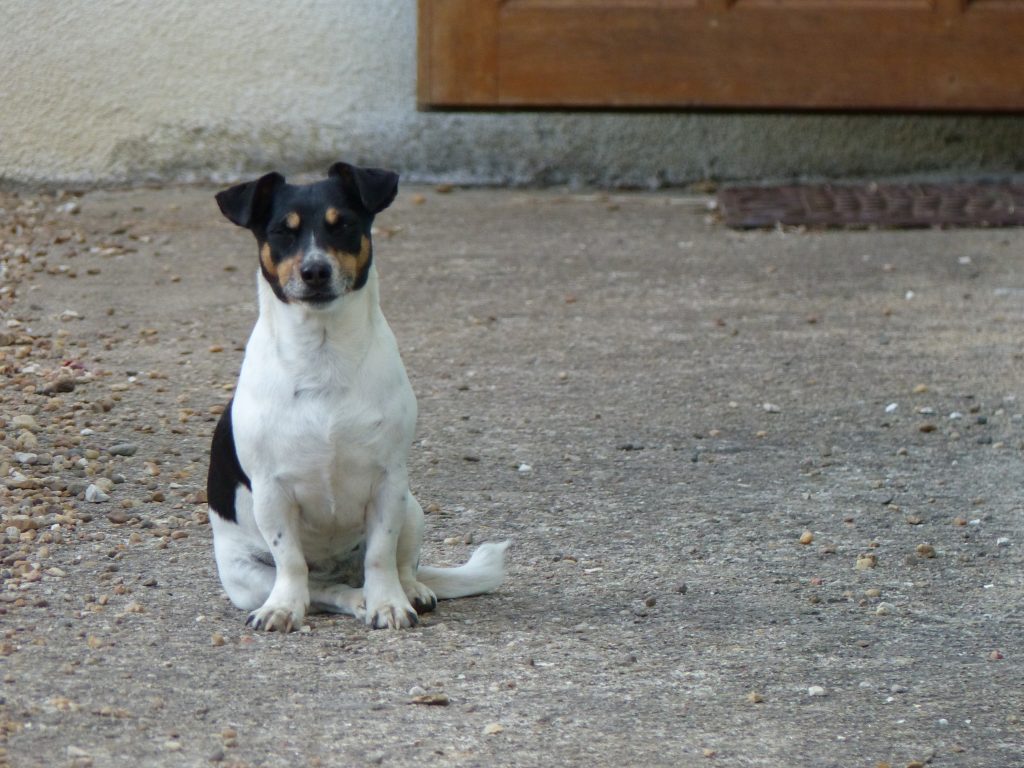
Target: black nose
(315,274)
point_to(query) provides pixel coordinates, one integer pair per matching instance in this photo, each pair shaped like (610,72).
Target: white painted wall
(126,90)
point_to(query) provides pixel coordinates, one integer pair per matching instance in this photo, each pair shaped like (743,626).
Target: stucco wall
(128,90)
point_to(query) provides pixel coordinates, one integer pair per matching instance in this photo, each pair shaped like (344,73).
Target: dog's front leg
(277,517)
(386,602)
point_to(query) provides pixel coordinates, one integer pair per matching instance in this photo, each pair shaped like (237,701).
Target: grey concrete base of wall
(618,150)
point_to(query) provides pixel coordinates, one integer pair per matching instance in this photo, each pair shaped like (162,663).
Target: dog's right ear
(248,205)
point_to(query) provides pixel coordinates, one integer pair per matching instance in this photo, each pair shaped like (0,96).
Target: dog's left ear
(248,205)
(375,187)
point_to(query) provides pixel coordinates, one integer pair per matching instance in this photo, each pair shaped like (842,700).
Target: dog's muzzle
(319,280)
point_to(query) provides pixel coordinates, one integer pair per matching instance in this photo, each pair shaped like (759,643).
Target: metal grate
(893,206)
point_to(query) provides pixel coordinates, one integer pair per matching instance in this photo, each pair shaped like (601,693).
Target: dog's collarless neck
(343,330)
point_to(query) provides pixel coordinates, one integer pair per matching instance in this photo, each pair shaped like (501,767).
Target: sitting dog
(308,483)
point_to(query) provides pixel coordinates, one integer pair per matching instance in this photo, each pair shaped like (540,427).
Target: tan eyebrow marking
(292,220)
(331,216)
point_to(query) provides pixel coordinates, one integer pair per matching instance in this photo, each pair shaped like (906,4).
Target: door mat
(886,206)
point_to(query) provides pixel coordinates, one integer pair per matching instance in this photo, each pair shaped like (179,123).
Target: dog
(308,482)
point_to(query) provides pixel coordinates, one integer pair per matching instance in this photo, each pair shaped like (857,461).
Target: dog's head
(314,239)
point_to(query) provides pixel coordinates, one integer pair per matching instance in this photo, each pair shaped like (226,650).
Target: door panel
(775,54)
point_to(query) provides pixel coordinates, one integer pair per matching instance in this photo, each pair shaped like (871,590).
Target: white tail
(484,571)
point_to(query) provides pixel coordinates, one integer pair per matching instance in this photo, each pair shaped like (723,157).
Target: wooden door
(762,54)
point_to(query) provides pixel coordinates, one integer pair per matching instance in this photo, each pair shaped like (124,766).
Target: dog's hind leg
(338,598)
(246,574)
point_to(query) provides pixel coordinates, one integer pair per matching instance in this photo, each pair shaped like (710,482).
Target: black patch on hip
(225,472)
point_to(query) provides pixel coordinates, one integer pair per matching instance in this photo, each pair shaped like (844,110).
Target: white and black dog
(308,484)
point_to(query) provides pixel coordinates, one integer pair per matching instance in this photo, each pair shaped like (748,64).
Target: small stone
(755,698)
(816,690)
(959,521)
(417,691)
(25,421)
(996,655)
(63,384)
(217,640)
(770,408)
(431,700)
(883,609)
(914,520)
(94,495)
(926,428)
(806,537)
(123,449)
(22,523)
(864,562)
(493,728)
(925,550)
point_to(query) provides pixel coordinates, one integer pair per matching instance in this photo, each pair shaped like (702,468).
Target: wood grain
(771,54)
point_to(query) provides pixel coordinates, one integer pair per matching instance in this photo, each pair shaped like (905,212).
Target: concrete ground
(764,492)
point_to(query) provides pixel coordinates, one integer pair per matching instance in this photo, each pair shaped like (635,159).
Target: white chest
(325,427)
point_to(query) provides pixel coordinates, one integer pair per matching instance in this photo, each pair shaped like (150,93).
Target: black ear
(375,187)
(248,205)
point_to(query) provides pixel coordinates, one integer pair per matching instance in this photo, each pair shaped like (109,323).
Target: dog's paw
(391,615)
(276,618)
(421,597)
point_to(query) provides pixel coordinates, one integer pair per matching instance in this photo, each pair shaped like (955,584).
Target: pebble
(883,609)
(25,421)
(925,550)
(94,495)
(755,698)
(493,728)
(816,690)
(431,699)
(123,449)
(806,537)
(864,562)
